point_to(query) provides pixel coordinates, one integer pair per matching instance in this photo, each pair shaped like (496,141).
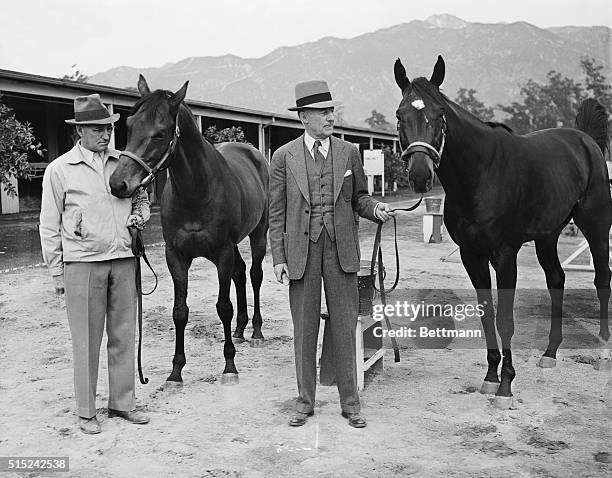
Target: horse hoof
(489,388)
(547,362)
(603,365)
(229,379)
(502,403)
(172,385)
(238,340)
(258,342)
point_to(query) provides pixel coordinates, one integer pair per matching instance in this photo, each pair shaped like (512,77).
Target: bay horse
(213,199)
(502,190)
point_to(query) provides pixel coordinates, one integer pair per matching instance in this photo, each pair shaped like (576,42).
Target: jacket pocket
(347,188)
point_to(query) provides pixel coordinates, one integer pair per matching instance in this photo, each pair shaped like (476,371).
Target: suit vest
(321,189)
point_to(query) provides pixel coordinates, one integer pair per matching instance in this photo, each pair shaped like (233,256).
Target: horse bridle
(158,167)
(423,147)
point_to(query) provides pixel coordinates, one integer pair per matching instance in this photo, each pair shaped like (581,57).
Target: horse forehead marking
(418,104)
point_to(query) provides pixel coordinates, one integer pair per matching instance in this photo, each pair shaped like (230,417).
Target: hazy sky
(48,36)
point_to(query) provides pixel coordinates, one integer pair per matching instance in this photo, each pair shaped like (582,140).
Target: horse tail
(593,120)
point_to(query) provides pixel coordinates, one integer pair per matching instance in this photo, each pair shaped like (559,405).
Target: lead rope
(377,254)
(138,250)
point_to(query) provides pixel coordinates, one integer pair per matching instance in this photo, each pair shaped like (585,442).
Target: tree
(556,102)
(76,75)
(378,121)
(232,134)
(395,169)
(16,141)
(467,100)
(596,83)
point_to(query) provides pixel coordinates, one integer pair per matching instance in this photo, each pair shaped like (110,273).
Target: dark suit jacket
(290,205)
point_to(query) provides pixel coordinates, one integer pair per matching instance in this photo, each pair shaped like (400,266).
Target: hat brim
(321,105)
(111,119)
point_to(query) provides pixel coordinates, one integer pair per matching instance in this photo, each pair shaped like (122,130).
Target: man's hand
(282,273)
(384,212)
(58,284)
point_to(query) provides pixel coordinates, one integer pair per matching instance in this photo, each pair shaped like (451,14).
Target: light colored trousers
(343,306)
(96,291)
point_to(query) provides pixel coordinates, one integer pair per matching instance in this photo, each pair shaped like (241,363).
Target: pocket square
(348,173)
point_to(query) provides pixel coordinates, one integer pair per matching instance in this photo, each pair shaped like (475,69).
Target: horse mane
(153,101)
(424,88)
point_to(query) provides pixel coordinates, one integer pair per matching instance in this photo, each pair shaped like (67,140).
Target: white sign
(374,165)
(373,162)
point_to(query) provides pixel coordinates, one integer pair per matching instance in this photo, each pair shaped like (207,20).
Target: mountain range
(494,59)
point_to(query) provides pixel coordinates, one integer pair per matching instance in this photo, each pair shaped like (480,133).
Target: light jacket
(80,220)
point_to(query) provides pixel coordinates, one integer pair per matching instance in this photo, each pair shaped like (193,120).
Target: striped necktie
(318,156)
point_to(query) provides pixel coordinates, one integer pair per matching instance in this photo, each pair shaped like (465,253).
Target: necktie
(318,156)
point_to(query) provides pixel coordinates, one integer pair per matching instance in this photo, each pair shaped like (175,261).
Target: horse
(215,196)
(502,190)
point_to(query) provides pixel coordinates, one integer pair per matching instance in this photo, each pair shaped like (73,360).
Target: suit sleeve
(277,207)
(362,202)
(51,209)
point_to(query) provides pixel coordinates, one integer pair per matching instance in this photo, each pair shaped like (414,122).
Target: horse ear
(437,77)
(179,96)
(400,75)
(143,87)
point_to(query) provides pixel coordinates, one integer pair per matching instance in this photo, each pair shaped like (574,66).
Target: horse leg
(239,278)
(258,251)
(505,268)
(178,265)
(596,229)
(225,267)
(477,268)
(546,251)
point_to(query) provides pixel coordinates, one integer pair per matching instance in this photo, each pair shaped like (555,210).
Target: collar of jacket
(76,155)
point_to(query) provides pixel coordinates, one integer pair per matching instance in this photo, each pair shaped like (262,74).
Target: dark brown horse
(503,190)
(213,199)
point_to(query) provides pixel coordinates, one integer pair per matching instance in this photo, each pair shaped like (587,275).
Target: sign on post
(374,165)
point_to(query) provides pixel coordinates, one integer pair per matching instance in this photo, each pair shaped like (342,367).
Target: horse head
(152,135)
(421,125)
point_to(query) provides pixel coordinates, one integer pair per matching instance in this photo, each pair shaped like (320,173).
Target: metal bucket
(365,286)
(433,205)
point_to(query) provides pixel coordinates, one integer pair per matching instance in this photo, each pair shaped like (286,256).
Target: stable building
(46,102)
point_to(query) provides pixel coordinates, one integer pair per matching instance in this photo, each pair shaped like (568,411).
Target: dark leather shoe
(299,418)
(355,419)
(90,426)
(133,416)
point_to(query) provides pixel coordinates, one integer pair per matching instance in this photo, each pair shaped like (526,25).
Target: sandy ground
(425,415)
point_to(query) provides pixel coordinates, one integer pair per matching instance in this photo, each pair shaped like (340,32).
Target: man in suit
(317,190)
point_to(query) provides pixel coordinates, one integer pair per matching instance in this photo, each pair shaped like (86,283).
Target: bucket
(365,286)
(433,205)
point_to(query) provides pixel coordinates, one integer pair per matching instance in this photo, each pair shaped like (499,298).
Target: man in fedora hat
(86,246)
(317,190)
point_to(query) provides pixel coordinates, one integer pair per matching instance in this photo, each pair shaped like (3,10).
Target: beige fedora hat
(313,94)
(90,110)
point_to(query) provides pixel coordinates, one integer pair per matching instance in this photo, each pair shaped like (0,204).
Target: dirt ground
(425,415)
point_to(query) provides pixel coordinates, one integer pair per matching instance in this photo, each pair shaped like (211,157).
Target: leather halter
(423,147)
(158,167)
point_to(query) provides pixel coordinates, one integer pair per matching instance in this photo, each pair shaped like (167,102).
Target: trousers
(99,293)
(343,305)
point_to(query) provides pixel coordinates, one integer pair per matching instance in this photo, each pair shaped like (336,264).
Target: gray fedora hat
(90,110)
(313,94)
